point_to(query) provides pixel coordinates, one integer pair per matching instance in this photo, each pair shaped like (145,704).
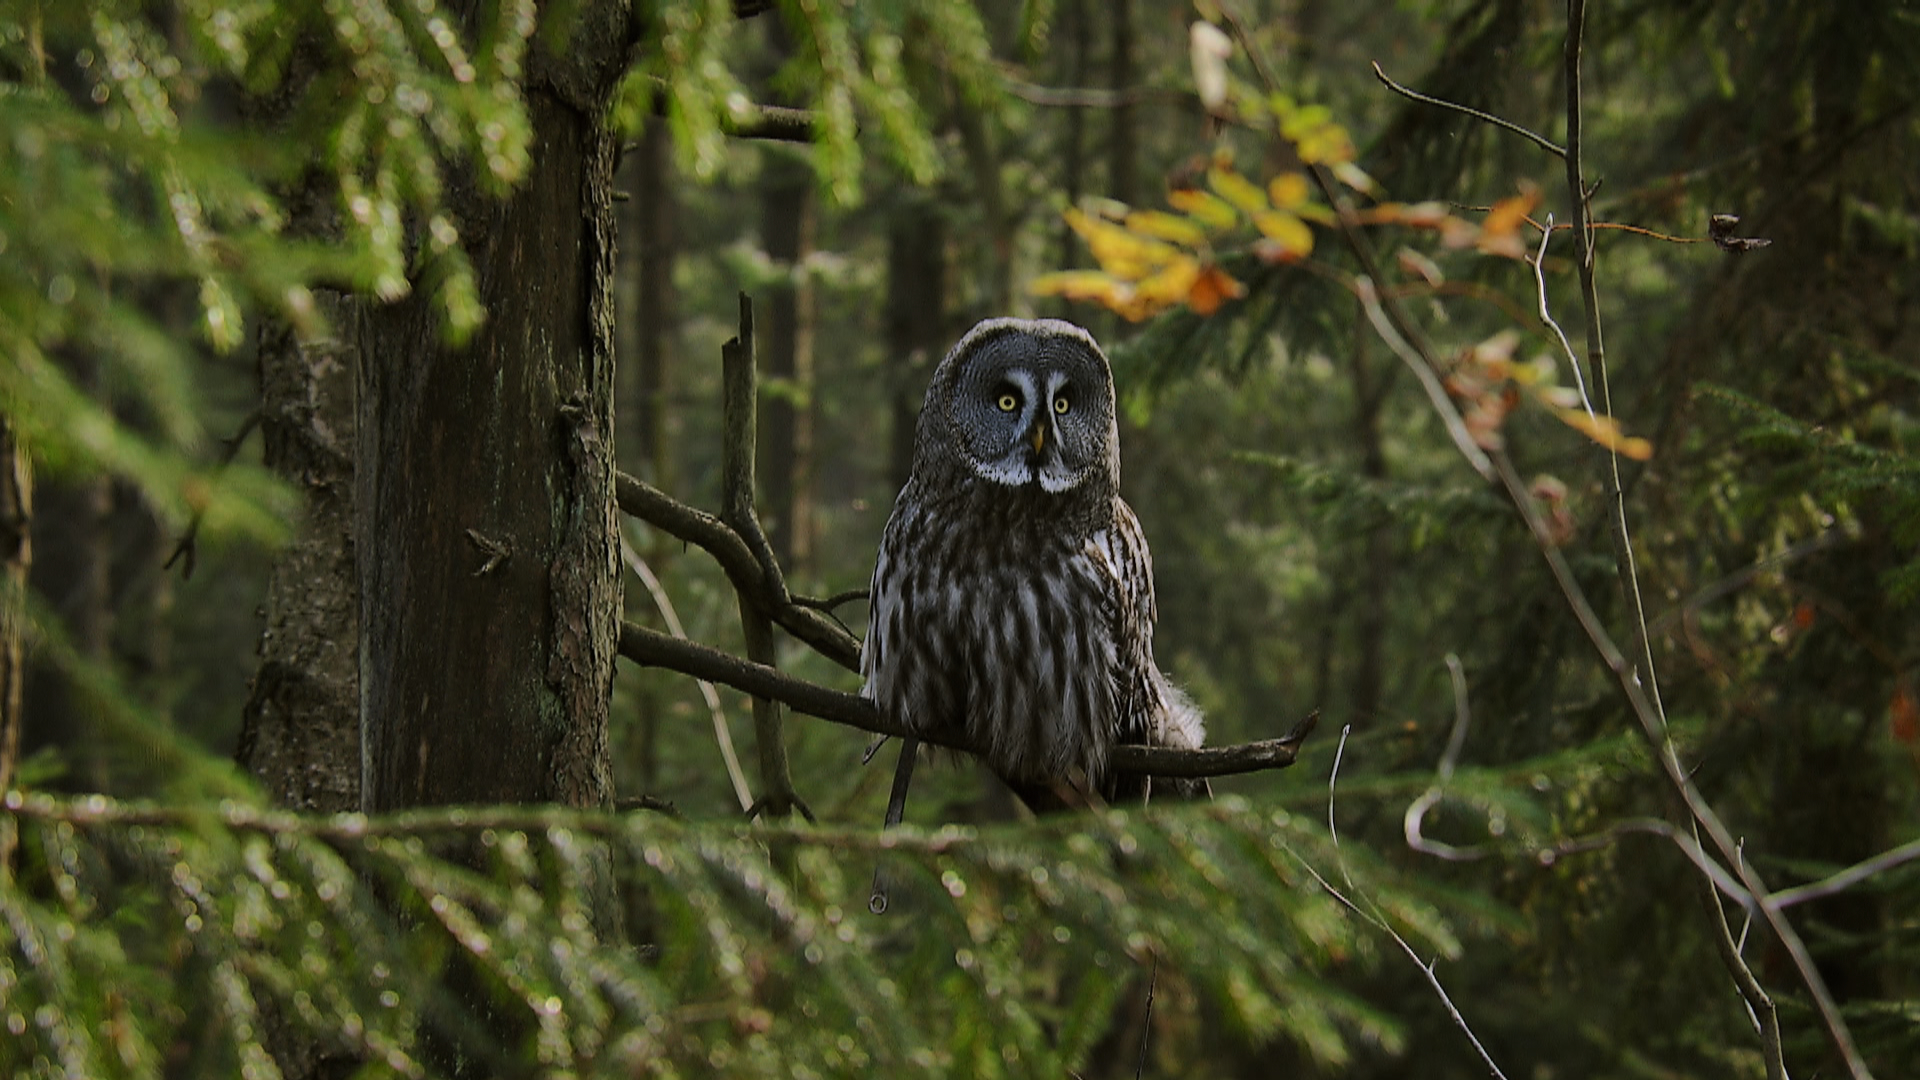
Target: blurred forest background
(196,195)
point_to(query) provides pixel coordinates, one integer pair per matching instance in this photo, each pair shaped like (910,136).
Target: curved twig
(1540,141)
(721,734)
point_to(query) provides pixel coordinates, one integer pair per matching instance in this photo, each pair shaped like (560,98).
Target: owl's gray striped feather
(1013,594)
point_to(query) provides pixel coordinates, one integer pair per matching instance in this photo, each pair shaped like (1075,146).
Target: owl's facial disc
(1031,405)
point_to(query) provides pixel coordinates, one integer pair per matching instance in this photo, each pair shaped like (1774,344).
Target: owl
(1013,595)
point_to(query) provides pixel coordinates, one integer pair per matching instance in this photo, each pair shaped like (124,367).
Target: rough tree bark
(488,560)
(300,733)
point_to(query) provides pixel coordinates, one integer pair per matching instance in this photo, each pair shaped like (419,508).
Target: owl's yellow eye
(1008,403)
(1060,406)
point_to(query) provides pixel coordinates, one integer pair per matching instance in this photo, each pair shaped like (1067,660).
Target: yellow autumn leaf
(1509,214)
(1605,430)
(1244,194)
(1120,251)
(1353,175)
(1500,232)
(1170,284)
(1209,209)
(1164,226)
(1082,285)
(1289,191)
(1287,230)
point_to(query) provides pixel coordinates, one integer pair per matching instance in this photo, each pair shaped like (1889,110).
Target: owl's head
(1025,401)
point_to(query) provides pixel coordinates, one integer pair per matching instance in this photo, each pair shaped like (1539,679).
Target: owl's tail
(1179,723)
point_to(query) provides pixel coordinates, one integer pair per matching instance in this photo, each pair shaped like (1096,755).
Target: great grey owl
(1013,595)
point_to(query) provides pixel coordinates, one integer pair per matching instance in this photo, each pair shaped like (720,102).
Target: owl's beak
(1038,437)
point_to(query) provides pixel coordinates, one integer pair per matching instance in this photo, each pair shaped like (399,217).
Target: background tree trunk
(787,233)
(488,560)
(916,320)
(74,576)
(16,555)
(647,354)
(1123,143)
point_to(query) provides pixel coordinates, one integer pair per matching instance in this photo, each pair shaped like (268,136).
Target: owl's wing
(1121,553)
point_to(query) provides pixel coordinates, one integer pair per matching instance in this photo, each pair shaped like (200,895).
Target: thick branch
(654,649)
(701,529)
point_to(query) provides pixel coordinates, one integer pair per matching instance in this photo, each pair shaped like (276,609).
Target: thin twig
(828,604)
(1372,915)
(1738,579)
(1146,1020)
(188,548)
(1852,875)
(1423,369)
(1412,822)
(1643,683)
(1506,125)
(721,734)
(1546,316)
(1333,777)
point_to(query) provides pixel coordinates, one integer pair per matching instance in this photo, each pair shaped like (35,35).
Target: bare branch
(188,548)
(1057,97)
(1417,810)
(1851,876)
(1642,685)
(654,649)
(878,896)
(701,529)
(1422,367)
(1507,125)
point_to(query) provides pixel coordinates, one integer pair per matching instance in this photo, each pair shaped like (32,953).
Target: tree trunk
(300,733)
(648,253)
(1375,574)
(1073,149)
(16,555)
(916,319)
(787,226)
(1122,151)
(73,574)
(488,559)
